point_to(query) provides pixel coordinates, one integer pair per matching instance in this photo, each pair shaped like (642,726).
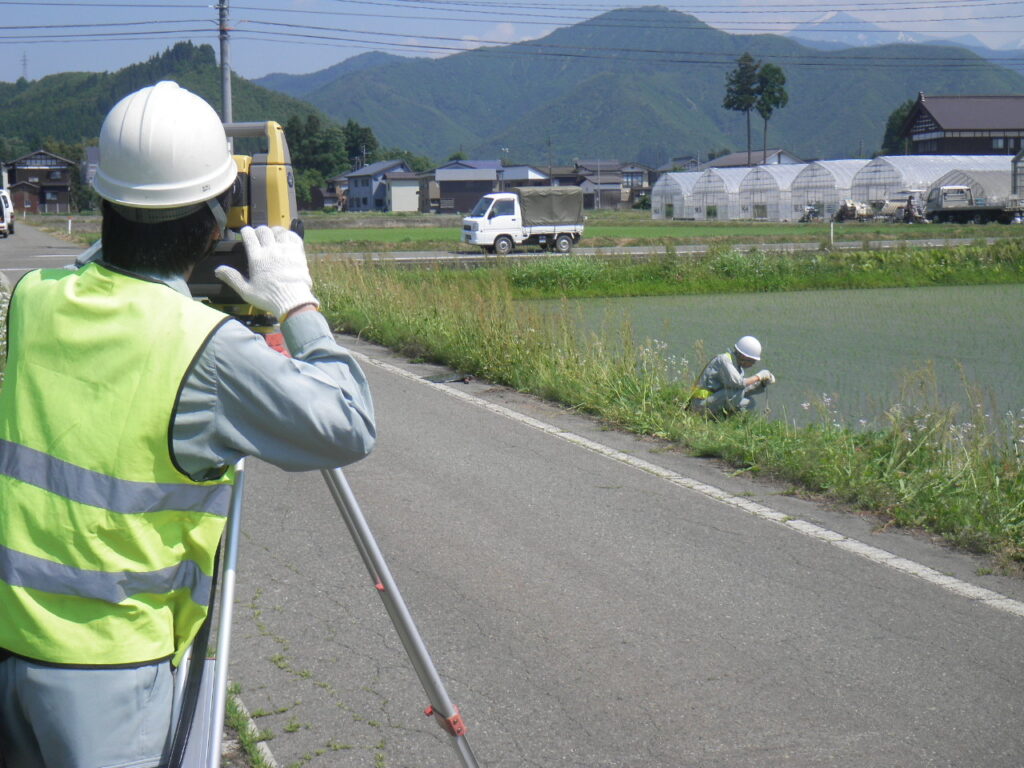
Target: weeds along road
(589,608)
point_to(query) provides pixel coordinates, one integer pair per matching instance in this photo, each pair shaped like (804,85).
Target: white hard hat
(749,347)
(163,147)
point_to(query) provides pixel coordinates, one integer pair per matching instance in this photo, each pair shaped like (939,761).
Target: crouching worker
(722,388)
(125,405)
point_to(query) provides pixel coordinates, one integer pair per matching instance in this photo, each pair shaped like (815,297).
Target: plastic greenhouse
(671,195)
(985,185)
(893,176)
(716,194)
(764,193)
(824,184)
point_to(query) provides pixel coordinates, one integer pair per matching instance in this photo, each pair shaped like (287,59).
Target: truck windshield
(480,209)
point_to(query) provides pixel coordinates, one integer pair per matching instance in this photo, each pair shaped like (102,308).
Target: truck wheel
(563,244)
(503,245)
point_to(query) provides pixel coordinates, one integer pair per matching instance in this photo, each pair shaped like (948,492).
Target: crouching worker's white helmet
(163,155)
(749,347)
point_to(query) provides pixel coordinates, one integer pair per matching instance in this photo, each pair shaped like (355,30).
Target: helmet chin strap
(219,214)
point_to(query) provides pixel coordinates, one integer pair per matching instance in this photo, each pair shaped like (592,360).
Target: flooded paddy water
(851,348)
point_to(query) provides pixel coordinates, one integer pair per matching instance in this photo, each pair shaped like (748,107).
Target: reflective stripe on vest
(97,490)
(21,570)
(106,547)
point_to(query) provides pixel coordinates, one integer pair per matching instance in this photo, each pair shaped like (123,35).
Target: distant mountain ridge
(71,106)
(300,85)
(840,27)
(641,84)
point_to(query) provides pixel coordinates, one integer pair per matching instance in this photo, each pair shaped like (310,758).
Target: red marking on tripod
(379,587)
(455,725)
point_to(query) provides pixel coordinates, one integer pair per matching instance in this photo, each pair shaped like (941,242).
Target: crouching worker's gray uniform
(720,389)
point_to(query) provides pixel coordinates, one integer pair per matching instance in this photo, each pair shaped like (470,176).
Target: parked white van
(6,214)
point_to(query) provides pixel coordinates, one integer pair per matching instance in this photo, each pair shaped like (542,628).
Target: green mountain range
(642,84)
(70,106)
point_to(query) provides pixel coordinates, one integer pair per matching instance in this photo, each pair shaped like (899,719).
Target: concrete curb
(250,725)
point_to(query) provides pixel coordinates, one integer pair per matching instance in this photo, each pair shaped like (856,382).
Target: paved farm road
(586,612)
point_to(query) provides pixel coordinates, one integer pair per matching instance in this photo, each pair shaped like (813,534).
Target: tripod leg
(441,706)
(227,602)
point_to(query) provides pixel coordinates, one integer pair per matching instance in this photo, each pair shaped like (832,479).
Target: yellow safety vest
(106,547)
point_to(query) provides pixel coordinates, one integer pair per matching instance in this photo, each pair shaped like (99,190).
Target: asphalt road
(595,600)
(588,610)
(28,248)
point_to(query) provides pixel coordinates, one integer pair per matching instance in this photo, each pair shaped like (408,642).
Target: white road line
(812,530)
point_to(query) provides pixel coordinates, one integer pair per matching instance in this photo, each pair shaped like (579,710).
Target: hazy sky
(300,36)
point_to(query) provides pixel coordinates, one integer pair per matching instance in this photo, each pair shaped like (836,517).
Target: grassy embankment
(959,475)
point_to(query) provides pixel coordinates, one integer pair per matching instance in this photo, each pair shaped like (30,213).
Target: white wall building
(403,191)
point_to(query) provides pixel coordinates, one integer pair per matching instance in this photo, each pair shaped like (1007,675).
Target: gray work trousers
(728,401)
(66,717)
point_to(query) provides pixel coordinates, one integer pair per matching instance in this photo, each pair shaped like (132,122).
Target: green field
(381,232)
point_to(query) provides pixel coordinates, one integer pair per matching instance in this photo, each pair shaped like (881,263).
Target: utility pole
(225,65)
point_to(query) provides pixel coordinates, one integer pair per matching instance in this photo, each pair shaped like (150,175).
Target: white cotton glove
(279,278)
(765,377)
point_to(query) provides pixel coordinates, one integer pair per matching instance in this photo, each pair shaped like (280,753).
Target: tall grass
(957,475)
(727,270)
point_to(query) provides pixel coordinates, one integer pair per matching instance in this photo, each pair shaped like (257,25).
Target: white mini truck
(549,217)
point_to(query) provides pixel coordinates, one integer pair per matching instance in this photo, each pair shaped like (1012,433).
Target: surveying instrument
(264,193)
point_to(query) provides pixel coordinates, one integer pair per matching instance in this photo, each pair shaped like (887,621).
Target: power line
(446,44)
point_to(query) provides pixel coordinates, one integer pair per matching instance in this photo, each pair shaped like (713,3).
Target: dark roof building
(964,125)
(756,157)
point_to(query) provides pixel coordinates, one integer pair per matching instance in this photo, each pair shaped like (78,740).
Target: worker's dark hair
(163,249)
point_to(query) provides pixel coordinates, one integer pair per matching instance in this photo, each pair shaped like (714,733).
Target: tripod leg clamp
(453,725)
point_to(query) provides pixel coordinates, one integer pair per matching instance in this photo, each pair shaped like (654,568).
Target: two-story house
(40,182)
(367,187)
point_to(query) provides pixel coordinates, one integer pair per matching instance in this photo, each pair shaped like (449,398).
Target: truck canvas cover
(547,206)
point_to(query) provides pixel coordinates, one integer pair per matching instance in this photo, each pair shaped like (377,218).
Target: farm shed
(824,184)
(985,185)
(893,176)
(716,195)
(672,195)
(765,192)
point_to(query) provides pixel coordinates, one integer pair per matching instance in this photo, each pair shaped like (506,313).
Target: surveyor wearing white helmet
(722,387)
(124,407)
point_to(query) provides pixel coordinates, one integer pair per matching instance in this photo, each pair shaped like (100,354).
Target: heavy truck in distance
(549,217)
(957,203)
